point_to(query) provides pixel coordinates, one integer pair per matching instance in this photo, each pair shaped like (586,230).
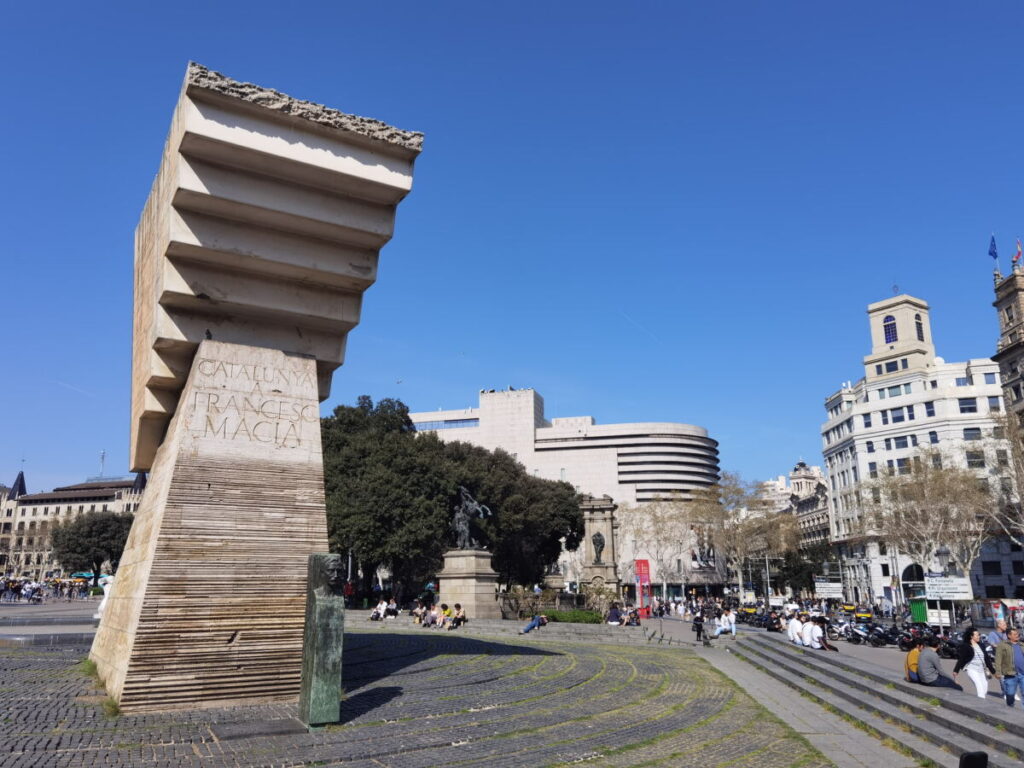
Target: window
(872,469)
(913,441)
(903,363)
(867,420)
(869,446)
(993,404)
(972,433)
(888,444)
(881,392)
(995,590)
(878,370)
(900,442)
(1018,567)
(990,378)
(920,333)
(968,404)
(999,433)
(885,570)
(933,438)
(910,413)
(929,409)
(976,459)
(892,366)
(937,461)
(897,415)
(963,381)
(935,384)
(906,389)
(992,567)
(1016,392)
(885,417)
(1002,458)
(882,550)
(903,466)
(895,391)
(1009,314)
(889,329)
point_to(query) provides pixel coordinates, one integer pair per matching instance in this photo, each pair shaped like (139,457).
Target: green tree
(391,493)
(90,540)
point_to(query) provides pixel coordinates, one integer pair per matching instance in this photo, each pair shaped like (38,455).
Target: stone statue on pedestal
(598,541)
(320,695)
(461,523)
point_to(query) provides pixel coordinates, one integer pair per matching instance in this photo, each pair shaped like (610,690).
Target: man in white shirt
(726,623)
(794,629)
(807,634)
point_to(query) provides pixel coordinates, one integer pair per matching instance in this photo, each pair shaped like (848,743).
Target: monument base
(469,580)
(207,606)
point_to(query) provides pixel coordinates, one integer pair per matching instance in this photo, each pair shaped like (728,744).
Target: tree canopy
(90,540)
(391,493)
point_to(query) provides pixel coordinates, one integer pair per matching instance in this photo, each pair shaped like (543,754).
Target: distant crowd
(30,591)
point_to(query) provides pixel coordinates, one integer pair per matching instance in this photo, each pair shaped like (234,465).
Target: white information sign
(947,588)
(825,588)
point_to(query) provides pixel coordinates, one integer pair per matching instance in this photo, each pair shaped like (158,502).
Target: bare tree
(658,529)
(928,503)
(734,511)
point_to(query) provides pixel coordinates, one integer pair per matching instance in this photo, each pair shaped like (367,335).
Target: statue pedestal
(469,580)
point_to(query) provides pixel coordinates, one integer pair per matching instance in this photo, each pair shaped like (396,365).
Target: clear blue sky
(645,211)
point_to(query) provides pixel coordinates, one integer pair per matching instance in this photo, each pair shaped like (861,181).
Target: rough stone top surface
(200,77)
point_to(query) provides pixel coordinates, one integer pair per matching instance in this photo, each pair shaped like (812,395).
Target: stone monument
(320,695)
(467,577)
(600,569)
(259,237)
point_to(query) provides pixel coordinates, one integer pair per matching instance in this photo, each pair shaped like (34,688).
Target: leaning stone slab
(261,233)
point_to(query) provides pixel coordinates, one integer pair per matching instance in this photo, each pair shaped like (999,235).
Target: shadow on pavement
(372,656)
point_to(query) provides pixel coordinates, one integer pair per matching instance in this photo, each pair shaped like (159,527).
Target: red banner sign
(643,571)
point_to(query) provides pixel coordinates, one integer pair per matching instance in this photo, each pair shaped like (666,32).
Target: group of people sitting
(622,617)
(809,632)
(385,609)
(724,622)
(999,655)
(438,616)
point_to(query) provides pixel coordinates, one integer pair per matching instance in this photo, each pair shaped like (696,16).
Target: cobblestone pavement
(420,699)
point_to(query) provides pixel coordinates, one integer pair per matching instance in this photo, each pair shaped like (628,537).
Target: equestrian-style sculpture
(461,523)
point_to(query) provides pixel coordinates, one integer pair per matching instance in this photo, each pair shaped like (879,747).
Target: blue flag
(992,248)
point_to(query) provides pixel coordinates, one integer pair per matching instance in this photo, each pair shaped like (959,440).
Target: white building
(908,398)
(27,519)
(632,463)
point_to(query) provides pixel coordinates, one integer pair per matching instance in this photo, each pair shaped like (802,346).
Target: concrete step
(591,633)
(991,710)
(952,732)
(924,751)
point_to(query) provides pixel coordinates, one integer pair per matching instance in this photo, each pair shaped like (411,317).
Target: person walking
(698,623)
(1009,666)
(971,657)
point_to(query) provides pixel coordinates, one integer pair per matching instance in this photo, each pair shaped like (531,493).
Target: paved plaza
(420,698)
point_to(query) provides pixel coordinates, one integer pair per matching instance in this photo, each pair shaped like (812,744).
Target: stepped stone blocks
(263,227)
(260,234)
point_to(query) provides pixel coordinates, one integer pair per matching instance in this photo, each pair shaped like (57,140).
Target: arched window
(889,327)
(913,572)
(920,327)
